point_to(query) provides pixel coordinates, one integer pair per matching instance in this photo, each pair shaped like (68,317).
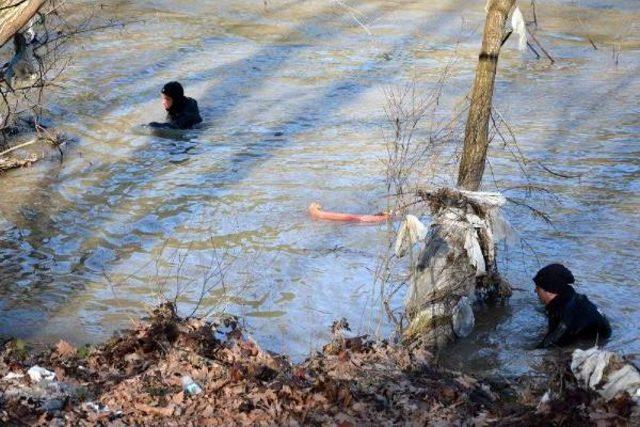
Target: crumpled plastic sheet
(502,230)
(474,252)
(411,231)
(519,29)
(38,373)
(452,244)
(487,199)
(463,318)
(452,256)
(592,368)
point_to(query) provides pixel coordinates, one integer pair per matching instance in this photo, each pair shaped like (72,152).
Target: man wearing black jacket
(571,315)
(182,111)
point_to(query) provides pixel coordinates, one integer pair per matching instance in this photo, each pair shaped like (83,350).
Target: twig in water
(17,147)
(533,50)
(533,37)
(561,175)
(536,212)
(535,15)
(351,11)
(506,37)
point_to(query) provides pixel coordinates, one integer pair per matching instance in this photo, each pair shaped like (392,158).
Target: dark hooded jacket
(571,315)
(184,112)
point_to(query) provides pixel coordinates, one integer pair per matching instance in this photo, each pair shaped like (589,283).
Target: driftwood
(17,147)
(46,144)
(13,162)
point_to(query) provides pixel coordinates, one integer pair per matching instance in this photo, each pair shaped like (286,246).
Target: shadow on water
(39,292)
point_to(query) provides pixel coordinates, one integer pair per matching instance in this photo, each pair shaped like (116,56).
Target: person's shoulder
(191,105)
(587,308)
(584,300)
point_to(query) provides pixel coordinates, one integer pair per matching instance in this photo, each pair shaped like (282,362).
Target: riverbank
(177,372)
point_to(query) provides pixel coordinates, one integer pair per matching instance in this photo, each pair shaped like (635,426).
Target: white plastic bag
(593,368)
(411,231)
(463,318)
(38,373)
(519,28)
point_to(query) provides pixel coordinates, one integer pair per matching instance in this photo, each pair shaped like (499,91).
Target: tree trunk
(457,263)
(14,14)
(476,137)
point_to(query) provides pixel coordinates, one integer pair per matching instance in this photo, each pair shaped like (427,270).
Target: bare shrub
(35,59)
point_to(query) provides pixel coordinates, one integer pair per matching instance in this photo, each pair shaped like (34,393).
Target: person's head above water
(551,281)
(172,94)
(182,111)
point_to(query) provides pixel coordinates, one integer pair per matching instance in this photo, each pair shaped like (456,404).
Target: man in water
(571,315)
(182,111)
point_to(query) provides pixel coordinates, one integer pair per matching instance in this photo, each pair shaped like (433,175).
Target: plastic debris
(474,252)
(606,372)
(38,373)
(519,28)
(315,210)
(501,228)
(99,408)
(546,398)
(488,199)
(451,262)
(463,318)
(411,231)
(190,386)
(94,407)
(13,376)
(544,405)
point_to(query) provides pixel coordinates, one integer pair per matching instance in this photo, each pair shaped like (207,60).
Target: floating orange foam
(316,212)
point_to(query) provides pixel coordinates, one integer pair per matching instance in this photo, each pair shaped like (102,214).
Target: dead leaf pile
(137,378)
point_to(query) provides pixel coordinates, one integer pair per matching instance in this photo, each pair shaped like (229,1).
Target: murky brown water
(293,101)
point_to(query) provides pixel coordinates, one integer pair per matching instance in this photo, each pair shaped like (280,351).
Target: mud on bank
(137,378)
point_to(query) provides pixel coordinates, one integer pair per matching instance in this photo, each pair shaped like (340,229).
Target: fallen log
(46,145)
(13,162)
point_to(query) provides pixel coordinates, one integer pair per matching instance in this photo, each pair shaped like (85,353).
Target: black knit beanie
(174,91)
(554,278)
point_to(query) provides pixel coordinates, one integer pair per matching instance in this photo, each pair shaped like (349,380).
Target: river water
(292,93)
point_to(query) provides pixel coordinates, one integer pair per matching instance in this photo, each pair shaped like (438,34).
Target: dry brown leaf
(178,398)
(153,410)
(235,374)
(132,357)
(64,349)
(60,373)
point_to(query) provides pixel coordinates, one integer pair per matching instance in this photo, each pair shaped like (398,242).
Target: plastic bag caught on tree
(519,28)
(463,318)
(501,228)
(474,252)
(411,231)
